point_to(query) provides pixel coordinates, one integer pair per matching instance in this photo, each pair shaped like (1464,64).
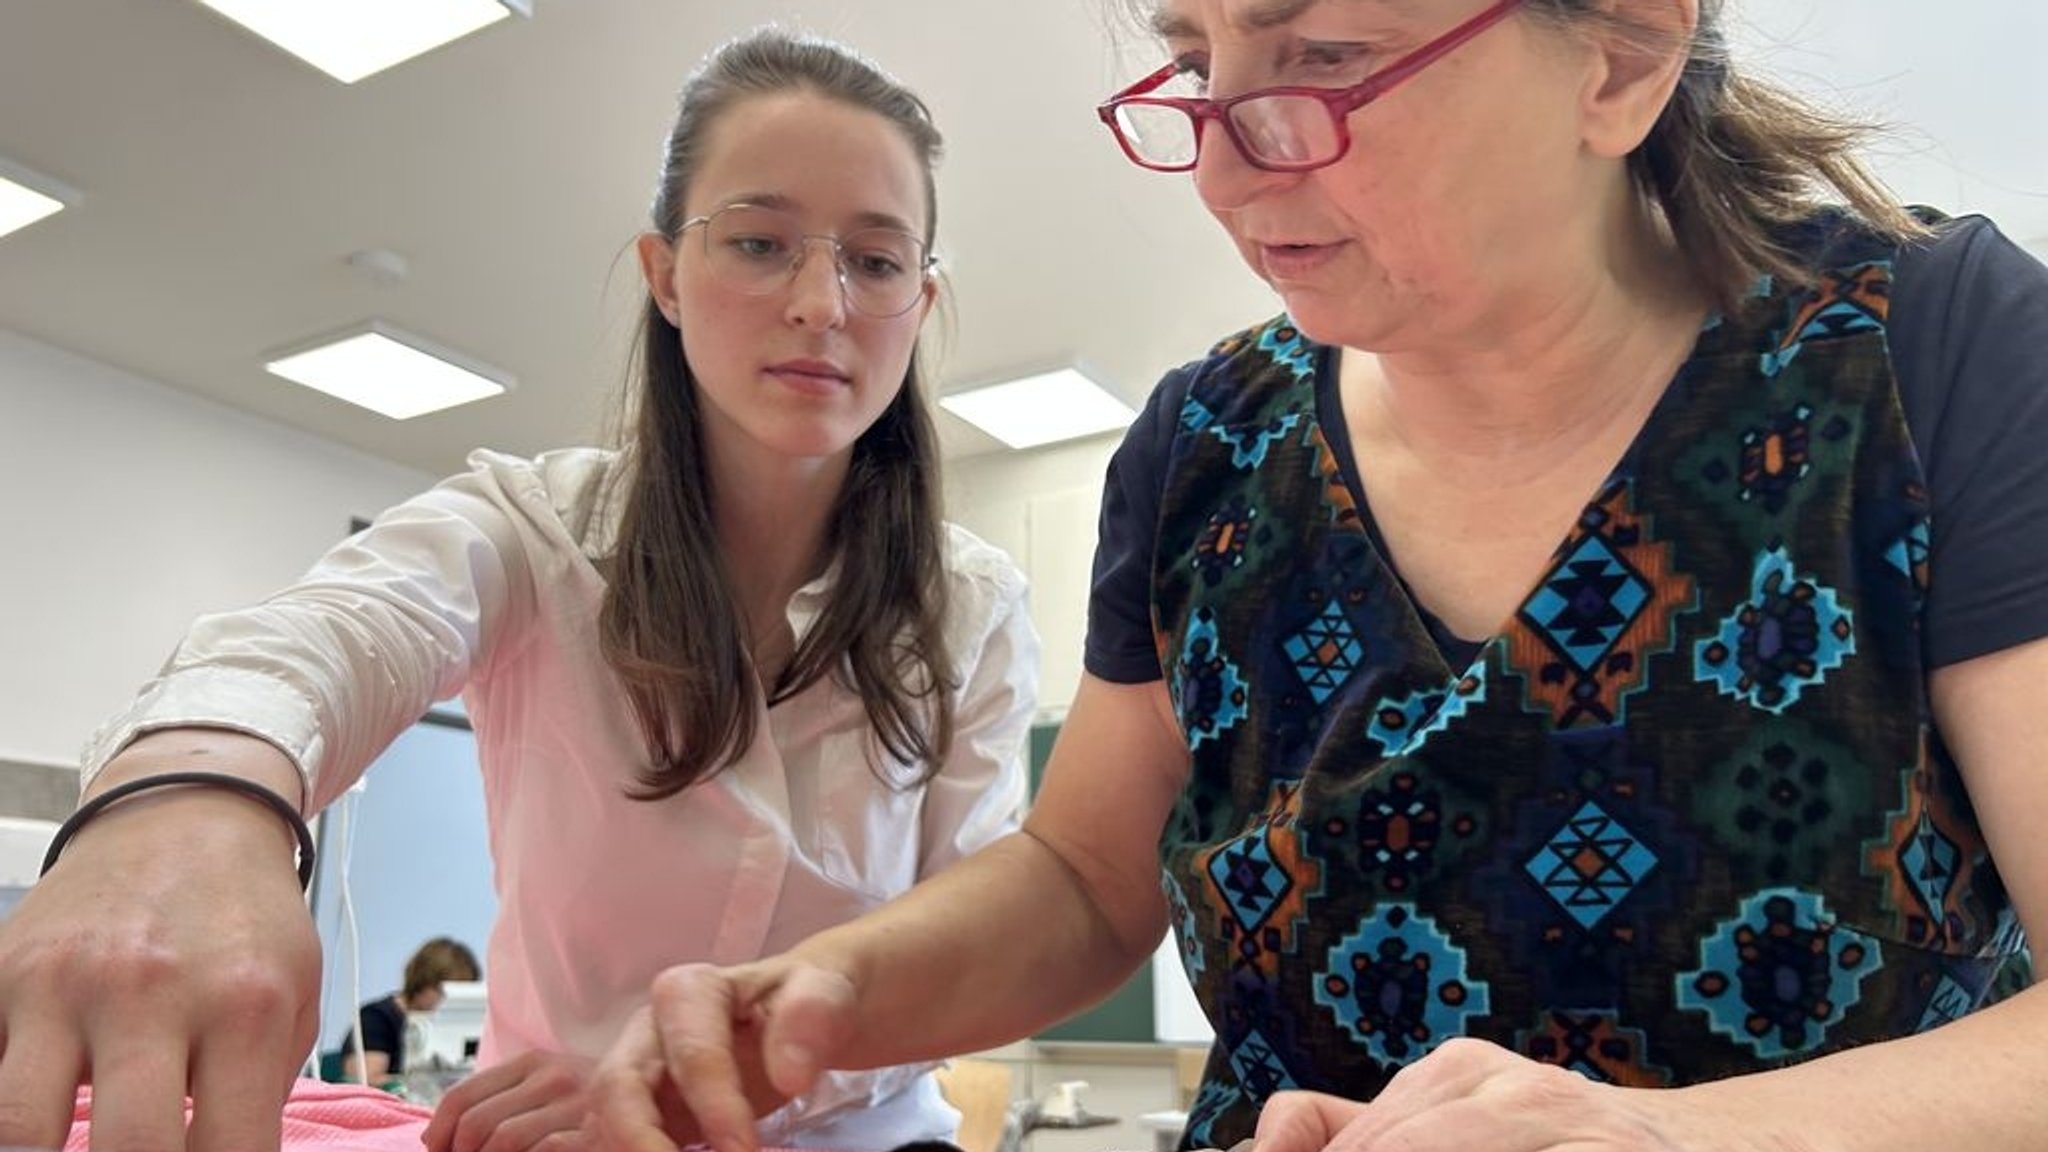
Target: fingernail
(796,1056)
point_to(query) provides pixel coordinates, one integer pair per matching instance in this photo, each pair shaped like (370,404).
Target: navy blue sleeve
(1120,645)
(384,1029)
(1968,329)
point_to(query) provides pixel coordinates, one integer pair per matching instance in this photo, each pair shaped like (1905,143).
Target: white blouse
(486,586)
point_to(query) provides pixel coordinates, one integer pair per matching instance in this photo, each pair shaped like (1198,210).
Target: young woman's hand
(718,1047)
(170,951)
(538,1100)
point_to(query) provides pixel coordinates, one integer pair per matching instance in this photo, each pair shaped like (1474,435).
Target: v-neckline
(1336,433)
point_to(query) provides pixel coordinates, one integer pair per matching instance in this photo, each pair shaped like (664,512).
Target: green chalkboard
(1127,1015)
(1042,736)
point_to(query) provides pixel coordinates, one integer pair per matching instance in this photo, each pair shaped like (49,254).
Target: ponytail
(1733,159)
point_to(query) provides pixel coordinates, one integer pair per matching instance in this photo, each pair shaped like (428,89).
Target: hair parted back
(1734,157)
(670,626)
(436,962)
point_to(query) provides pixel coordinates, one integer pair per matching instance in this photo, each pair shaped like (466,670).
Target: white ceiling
(225,184)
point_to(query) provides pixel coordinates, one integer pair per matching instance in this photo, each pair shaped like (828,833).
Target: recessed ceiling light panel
(351,39)
(1040,409)
(389,371)
(27,196)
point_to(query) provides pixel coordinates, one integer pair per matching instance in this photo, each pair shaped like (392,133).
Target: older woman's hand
(718,1047)
(1470,1094)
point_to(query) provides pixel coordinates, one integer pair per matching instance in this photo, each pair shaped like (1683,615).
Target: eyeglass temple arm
(1374,86)
(1379,82)
(1107,109)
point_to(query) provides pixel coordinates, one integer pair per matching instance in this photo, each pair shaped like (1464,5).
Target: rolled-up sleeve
(333,668)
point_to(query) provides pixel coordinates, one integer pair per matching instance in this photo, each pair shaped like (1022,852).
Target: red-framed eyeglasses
(1285,129)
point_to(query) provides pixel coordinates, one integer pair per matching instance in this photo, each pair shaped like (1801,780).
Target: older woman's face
(1456,185)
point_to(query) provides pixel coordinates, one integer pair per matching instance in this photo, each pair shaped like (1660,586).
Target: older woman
(1592,643)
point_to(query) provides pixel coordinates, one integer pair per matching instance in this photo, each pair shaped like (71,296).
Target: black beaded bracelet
(249,788)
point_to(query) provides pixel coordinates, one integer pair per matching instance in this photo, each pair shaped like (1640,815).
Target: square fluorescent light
(26,197)
(351,39)
(1034,410)
(390,372)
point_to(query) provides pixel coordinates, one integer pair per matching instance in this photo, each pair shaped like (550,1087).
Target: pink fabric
(318,1115)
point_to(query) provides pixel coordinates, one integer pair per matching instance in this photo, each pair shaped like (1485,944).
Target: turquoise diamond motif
(1250,881)
(1930,862)
(1586,603)
(1325,653)
(1590,865)
(1259,1068)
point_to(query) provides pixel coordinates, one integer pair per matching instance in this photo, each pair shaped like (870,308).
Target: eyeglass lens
(756,250)
(1285,130)
(1159,134)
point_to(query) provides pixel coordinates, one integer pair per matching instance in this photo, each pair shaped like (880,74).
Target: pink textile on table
(330,1117)
(318,1115)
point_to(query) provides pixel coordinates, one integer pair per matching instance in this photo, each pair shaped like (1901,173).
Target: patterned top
(1685,816)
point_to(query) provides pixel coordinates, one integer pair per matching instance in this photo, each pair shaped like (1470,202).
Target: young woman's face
(1449,198)
(794,371)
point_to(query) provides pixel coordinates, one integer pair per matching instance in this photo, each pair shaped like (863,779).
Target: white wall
(418,864)
(1040,507)
(126,508)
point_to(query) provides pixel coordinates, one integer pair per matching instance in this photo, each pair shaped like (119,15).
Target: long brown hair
(1734,158)
(670,627)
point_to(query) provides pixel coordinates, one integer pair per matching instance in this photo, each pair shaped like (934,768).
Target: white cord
(349,802)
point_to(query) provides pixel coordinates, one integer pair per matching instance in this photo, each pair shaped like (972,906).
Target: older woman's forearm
(991,950)
(1978,1083)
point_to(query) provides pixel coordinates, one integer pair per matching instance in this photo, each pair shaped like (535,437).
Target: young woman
(1579,671)
(731,684)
